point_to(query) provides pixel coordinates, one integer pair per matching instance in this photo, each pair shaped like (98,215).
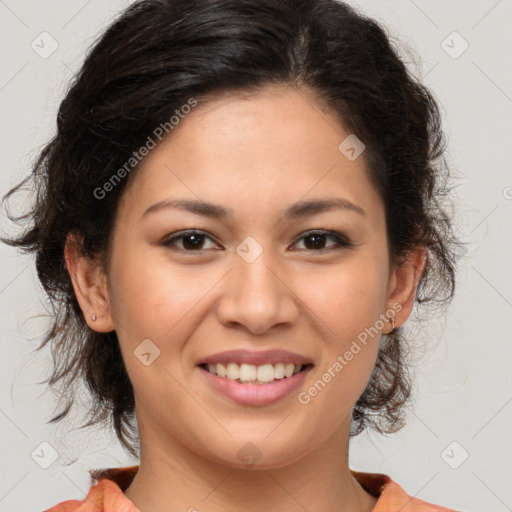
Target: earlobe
(89,284)
(404,283)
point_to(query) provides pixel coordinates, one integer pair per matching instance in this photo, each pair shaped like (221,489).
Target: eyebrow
(295,211)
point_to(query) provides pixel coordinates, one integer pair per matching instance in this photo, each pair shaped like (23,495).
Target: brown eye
(316,240)
(190,241)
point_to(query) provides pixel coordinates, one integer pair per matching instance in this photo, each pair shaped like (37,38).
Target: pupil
(195,244)
(315,237)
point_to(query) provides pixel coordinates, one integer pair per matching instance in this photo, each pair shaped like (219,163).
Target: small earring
(392,323)
(93,318)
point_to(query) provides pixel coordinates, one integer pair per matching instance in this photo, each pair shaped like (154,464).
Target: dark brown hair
(155,57)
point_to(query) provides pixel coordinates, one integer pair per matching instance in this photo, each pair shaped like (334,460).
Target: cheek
(348,299)
(154,300)
(151,296)
(348,304)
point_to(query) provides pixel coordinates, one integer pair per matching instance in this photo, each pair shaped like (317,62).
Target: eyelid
(182,234)
(342,241)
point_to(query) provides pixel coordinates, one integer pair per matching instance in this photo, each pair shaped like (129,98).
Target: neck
(173,477)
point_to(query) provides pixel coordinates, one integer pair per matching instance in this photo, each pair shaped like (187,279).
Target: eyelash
(342,242)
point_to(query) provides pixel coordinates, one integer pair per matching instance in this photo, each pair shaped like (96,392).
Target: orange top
(106,495)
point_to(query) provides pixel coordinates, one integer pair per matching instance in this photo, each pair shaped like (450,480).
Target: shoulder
(391,496)
(105,493)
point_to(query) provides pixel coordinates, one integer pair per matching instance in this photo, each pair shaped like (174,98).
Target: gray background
(464,390)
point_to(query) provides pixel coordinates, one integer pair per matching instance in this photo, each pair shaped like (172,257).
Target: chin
(252,453)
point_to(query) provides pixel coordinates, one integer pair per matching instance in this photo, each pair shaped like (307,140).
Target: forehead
(277,144)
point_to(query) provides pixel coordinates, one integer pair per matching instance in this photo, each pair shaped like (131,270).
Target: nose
(257,296)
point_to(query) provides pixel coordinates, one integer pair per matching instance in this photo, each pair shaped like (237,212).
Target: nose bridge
(255,280)
(255,294)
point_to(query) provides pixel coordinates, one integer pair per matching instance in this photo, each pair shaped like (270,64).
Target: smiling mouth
(252,374)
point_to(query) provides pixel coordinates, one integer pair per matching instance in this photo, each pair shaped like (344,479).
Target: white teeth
(265,373)
(221,370)
(254,374)
(288,369)
(233,371)
(247,372)
(279,371)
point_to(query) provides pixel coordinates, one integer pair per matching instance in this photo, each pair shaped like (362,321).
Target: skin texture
(256,155)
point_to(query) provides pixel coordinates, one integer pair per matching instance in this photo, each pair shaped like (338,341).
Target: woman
(239,211)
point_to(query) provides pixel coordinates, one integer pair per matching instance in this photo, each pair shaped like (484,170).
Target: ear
(90,285)
(403,284)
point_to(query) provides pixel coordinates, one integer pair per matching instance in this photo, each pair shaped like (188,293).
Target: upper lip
(258,358)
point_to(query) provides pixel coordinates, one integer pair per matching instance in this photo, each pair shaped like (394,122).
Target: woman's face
(253,278)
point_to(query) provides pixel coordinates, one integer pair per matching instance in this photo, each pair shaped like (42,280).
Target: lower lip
(255,394)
